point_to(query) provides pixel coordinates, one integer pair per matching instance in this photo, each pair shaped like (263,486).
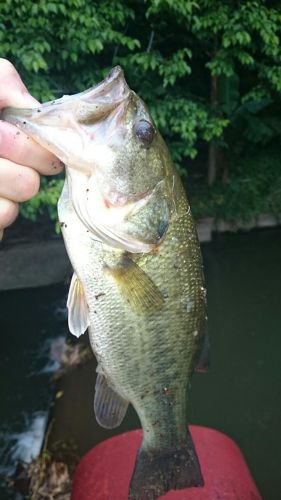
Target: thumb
(13,92)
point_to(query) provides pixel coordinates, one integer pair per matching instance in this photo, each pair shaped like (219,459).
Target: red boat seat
(105,471)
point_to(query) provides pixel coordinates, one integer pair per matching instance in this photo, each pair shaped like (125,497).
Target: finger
(8,213)
(13,92)
(17,182)
(20,148)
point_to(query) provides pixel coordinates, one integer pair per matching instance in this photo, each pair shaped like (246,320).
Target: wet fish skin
(143,283)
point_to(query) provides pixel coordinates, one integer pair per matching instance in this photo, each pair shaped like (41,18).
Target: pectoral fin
(110,408)
(78,312)
(136,286)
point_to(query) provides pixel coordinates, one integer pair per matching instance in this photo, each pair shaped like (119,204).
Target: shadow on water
(239,396)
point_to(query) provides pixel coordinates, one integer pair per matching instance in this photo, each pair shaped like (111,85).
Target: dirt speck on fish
(138,281)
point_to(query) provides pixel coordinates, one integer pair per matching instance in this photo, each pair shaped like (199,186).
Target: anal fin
(110,408)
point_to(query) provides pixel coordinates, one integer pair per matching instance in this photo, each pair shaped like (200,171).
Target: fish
(138,284)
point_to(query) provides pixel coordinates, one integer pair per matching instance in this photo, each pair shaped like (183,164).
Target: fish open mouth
(63,126)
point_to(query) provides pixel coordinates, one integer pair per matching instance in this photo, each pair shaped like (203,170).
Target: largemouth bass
(138,282)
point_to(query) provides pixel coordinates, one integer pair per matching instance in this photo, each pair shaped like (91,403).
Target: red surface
(105,472)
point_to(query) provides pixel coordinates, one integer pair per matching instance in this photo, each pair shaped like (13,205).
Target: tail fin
(156,473)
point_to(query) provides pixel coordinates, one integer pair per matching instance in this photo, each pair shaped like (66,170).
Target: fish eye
(145,132)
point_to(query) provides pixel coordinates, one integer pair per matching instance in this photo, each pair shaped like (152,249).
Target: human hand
(21,158)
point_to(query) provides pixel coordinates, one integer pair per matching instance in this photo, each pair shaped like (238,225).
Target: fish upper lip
(61,117)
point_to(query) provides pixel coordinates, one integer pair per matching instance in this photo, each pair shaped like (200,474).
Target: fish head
(115,157)
(130,191)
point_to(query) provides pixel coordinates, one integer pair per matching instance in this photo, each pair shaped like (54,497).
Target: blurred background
(210,74)
(208,70)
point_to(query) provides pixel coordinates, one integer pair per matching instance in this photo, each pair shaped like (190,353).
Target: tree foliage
(209,70)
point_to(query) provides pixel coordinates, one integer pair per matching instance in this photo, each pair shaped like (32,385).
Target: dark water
(239,396)
(29,322)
